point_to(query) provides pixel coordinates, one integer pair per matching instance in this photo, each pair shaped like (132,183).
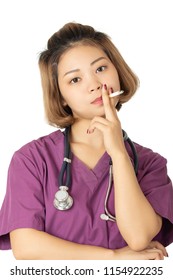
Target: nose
(93,82)
(94,85)
(95,88)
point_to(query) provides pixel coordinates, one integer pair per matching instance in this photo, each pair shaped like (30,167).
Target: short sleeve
(158,189)
(23,205)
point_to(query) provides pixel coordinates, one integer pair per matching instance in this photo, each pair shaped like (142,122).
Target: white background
(142,31)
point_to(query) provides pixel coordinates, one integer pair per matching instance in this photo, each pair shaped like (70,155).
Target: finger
(158,245)
(162,248)
(109,108)
(100,120)
(156,254)
(96,125)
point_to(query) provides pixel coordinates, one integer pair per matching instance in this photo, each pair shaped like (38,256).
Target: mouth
(97,101)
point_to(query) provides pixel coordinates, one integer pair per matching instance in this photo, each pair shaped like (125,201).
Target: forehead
(80,54)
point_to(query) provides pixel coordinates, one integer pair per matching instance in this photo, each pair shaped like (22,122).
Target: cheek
(116,78)
(71,99)
(64,92)
(113,80)
(71,94)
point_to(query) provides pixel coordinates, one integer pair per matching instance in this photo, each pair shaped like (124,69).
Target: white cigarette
(113,94)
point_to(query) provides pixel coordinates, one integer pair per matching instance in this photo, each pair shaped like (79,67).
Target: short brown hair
(70,35)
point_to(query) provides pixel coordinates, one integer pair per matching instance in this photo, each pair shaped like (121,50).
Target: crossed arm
(31,244)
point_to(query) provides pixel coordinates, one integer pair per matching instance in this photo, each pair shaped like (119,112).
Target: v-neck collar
(94,174)
(79,169)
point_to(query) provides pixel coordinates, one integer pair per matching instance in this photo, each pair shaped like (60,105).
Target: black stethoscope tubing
(134,153)
(66,162)
(63,201)
(67,158)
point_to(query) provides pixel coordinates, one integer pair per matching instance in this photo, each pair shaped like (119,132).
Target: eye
(75,80)
(101,68)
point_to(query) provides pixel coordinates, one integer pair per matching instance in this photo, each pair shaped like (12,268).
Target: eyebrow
(92,63)
(98,59)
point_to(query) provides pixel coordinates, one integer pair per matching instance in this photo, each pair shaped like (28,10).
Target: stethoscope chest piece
(63,201)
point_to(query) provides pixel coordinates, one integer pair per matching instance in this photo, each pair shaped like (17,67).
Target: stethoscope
(63,201)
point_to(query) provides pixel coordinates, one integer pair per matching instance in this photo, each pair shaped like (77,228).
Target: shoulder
(149,157)
(45,144)
(152,166)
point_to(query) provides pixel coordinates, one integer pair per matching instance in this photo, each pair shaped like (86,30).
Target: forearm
(136,219)
(38,245)
(30,244)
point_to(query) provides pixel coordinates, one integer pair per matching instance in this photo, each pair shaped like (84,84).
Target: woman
(80,70)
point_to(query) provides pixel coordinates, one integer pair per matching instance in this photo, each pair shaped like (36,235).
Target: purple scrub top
(33,181)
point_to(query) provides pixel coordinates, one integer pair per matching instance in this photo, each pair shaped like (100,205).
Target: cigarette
(116,93)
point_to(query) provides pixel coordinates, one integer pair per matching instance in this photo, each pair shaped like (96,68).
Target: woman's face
(82,71)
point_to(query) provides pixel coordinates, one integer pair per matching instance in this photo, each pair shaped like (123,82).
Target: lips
(97,100)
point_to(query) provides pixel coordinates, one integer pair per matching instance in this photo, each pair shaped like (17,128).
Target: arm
(31,244)
(136,219)
(38,245)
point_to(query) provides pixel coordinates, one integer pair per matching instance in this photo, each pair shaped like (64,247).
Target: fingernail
(111,90)
(105,86)
(89,131)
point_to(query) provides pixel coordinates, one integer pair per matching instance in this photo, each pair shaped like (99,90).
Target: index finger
(110,112)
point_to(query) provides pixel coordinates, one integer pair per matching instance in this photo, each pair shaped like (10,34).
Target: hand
(109,125)
(155,251)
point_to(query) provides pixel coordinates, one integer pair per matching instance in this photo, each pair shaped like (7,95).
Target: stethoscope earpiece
(105,217)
